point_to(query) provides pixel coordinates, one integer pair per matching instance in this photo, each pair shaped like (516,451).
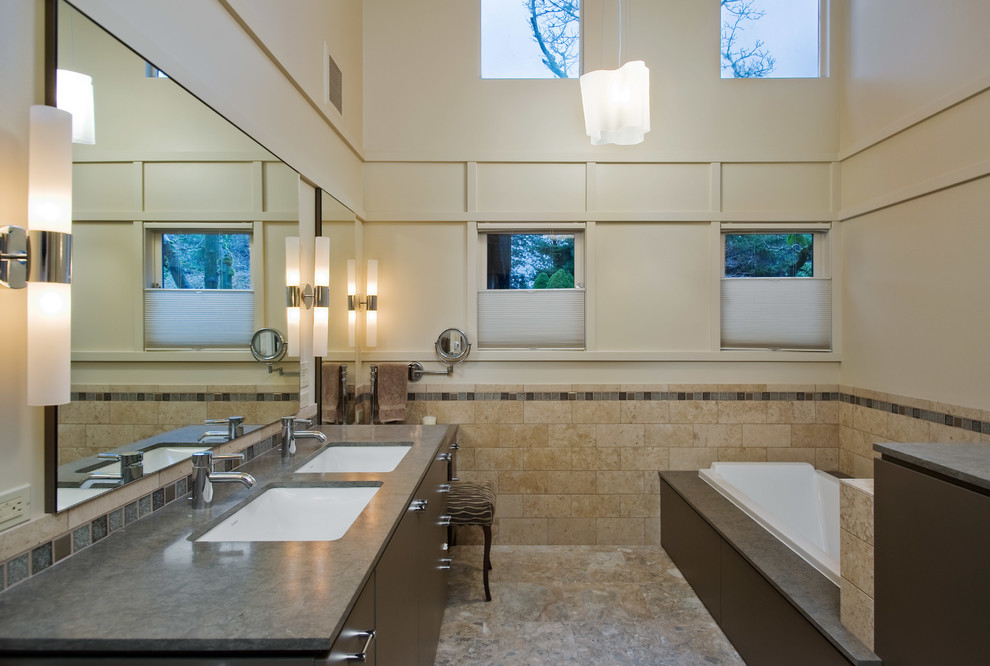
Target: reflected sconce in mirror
(321,297)
(40,258)
(75,95)
(370,303)
(293,295)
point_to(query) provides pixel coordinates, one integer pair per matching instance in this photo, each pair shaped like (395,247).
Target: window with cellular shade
(196,318)
(777,313)
(531,318)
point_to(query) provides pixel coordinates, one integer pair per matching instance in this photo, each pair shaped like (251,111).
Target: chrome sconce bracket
(296,296)
(35,256)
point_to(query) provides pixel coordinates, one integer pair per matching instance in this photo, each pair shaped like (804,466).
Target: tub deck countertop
(810,592)
(966,462)
(148,588)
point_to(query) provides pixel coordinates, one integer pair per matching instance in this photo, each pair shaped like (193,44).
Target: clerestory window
(775,39)
(530,39)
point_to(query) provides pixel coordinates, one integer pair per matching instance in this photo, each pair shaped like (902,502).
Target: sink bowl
(307,513)
(358,457)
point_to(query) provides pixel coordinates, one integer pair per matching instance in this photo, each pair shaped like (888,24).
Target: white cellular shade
(198,318)
(531,318)
(777,313)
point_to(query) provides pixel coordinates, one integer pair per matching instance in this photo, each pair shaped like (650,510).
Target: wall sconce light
(321,297)
(41,257)
(370,303)
(75,95)
(293,295)
(617,101)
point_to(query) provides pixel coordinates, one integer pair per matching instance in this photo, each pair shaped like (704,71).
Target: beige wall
(914,198)
(20,66)
(424,99)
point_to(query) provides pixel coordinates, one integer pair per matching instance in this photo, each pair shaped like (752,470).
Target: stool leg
(488,558)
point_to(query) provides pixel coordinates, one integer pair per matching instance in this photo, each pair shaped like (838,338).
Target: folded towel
(393,379)
(330,400)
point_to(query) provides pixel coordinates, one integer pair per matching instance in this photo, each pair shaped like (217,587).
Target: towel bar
(416,371)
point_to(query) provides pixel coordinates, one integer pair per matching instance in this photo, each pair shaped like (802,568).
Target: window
(776,291)
(530,39)
(532,292)
(199,291)
(770,39)
(152,72)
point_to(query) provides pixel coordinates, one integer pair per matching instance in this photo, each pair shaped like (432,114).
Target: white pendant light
(75,95)
(617,104)
(617,101)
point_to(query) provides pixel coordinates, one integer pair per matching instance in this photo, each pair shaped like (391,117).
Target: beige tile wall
(860,427)
(90,426)
(856,557)
(585,471)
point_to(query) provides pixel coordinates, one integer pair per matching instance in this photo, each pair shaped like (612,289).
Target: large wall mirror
(179,218)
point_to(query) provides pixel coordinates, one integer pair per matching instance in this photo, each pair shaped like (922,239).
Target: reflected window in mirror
(199,290)
(152,72)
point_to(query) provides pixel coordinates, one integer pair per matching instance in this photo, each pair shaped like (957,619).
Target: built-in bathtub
(793,501)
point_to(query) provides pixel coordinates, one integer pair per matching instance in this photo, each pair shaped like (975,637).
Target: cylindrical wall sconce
(49,263)
(321,296)
(371,325)
(352,302)
(293,295)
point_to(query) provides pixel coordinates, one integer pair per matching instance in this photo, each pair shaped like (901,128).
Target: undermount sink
(298,513)
(358,457)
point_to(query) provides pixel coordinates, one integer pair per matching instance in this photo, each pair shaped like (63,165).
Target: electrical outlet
(15,506)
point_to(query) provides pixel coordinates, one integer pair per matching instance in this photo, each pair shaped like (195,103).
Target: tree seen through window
(206,261)
(530,261)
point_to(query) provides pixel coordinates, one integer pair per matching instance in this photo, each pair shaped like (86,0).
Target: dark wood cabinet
(932,547)
(411,585)
(353,639)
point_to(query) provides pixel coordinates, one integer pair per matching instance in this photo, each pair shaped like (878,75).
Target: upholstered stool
(474,504)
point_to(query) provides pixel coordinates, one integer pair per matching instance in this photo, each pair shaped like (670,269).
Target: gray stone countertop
(813,595)
(966,462)
(148,587)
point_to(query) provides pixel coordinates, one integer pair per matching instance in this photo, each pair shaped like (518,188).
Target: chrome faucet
(290,434)
(131,467)
(235,428)
(203,476)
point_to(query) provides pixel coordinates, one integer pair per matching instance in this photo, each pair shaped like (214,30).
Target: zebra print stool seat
(474,504)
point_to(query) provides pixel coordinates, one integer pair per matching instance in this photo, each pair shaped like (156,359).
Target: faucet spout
(203,476)
(290,434)
(311,434)
(242,477)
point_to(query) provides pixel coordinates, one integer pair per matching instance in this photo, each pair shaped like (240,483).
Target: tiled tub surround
(281,596)
(105,417)
(32,547)
(856,535)
(575,464)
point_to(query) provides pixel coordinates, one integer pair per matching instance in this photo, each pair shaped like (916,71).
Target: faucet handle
(235,420)
(303,422)
(126,458)
(208,458)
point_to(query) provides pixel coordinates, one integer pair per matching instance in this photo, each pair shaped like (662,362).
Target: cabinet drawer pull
(445,457)
(445,562)
(445,520)
(445,487)
(363,654)
(419,504)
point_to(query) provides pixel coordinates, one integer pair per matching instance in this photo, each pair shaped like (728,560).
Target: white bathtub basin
(354,457)
(309,513)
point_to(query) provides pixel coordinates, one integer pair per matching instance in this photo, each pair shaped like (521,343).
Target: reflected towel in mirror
(330,400)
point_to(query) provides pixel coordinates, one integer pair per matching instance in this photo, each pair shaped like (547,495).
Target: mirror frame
(446,356)
(280,347)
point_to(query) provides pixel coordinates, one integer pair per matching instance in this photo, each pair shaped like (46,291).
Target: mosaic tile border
(39,558)
(182,397)
(941,418)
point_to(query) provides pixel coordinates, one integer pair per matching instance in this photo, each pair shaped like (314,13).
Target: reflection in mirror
(453,346)
(172,204)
